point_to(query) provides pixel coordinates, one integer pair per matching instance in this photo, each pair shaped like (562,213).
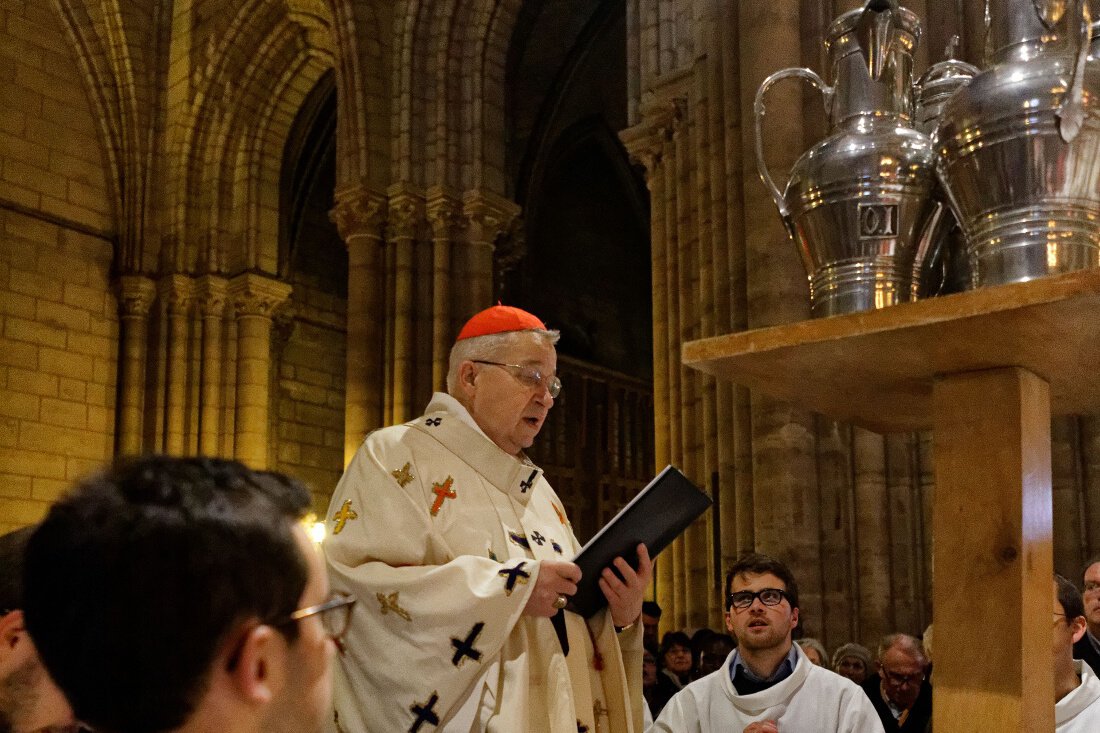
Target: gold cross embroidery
(403,475)
(442,492)
(343,516)
(389,603)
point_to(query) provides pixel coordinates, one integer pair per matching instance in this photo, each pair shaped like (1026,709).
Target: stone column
(405,217)
(489,215)
(445,215)
(136,295)
(646,143)
(255,297)
(176,290)
(211,295)
(359,215)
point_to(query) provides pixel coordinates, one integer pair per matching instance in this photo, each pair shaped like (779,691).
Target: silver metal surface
(859,203)
(1028,200)
(947,270)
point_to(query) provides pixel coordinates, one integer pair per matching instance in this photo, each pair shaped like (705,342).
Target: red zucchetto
(500,319)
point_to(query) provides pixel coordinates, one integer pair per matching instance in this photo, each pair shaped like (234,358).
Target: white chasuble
(439,534)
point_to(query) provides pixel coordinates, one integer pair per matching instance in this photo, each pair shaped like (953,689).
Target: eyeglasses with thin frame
(899,680)
(335,615)
(742,599)
(530,376)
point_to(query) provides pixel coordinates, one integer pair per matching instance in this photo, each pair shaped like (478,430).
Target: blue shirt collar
(782,672)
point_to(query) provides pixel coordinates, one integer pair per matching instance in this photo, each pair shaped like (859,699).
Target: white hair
(488,348)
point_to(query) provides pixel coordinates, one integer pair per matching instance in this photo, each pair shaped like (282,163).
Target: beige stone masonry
(255,299)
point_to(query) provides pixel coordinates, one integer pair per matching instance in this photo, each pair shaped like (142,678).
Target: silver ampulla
(1019,145)
(949,272)
(859,203)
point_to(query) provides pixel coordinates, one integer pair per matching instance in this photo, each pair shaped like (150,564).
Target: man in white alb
(767,685)
(461,555)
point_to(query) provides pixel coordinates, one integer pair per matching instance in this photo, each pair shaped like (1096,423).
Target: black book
(655,517)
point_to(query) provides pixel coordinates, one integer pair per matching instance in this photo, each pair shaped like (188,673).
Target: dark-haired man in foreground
(29,700)
(183,595)
(767,685)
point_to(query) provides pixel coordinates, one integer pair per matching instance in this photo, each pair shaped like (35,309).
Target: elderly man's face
(1092,597)
(902,675)
(510,411)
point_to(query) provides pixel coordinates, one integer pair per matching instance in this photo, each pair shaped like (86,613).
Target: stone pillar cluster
(405,248)
(196,359)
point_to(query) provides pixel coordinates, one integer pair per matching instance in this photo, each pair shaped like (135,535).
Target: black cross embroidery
(556,546)
(538,538)
(433,421)
(466,648)
(524,485)
(581,727)
(514,574)
(424,713)
(519,540)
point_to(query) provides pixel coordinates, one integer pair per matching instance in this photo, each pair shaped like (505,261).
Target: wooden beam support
(992,552)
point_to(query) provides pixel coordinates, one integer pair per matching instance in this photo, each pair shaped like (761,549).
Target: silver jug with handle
(859,203)
(947,269)
(1019,146)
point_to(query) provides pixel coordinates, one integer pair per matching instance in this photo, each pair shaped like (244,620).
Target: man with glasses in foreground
(461,553)
(183,595)
(900,690)
(1088,647)
(767,685)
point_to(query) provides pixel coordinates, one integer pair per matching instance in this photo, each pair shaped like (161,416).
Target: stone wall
(58,323)
(309,420)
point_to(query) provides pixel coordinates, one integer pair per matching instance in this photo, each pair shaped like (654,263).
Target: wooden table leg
(992,553)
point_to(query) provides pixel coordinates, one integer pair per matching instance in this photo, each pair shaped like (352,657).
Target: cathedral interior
(252,229)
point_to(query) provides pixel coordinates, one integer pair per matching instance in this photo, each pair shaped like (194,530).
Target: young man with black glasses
(767,685)
(183,595)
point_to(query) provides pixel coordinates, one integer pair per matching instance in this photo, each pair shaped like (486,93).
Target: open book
(655,517)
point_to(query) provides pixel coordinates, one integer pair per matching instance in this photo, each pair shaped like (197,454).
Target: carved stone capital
(645,145)
(136,294)
(444,212)
(512,249)
(405,214)
(177,291)
(211,293)
(359,211)
(257,295)
(488,215)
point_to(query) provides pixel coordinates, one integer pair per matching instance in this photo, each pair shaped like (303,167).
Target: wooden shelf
(876,369)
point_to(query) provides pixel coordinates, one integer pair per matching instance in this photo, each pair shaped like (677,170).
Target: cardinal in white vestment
(460,555)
